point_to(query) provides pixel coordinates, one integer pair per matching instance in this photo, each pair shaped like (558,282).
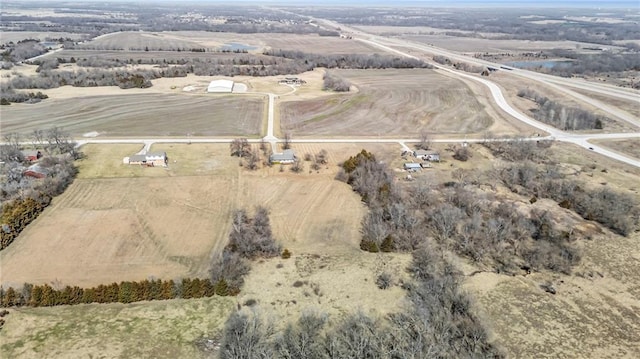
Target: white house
(288,156)
(425,155)
(220,86)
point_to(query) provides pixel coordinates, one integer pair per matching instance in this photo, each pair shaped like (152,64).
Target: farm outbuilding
(220,86)
(412,167)
(36,171)
(286,157)
(31,155)
(425,155)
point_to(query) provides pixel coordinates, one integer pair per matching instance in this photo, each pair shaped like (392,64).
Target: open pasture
(488,45)
(135,40)
(216,40)
(157,329)
(15,36)
(142,115)
(135,55)
(389,103)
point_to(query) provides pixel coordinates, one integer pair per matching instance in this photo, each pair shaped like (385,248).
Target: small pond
(547,64)
(235,46)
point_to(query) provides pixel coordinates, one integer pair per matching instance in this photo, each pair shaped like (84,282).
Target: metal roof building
(220,86)
(287,156)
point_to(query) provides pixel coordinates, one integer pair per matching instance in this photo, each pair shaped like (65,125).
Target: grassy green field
(162,329)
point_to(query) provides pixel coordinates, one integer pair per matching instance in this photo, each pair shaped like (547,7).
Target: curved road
(496,93)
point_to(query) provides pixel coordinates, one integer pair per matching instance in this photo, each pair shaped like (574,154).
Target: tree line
(459,65)
(561,116)
(23,198)
(124,292)
(272,63)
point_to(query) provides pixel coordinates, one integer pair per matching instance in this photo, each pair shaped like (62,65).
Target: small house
(150,159)
(36,171)
(31,156)
(427,155)
(412,167)
(286,157)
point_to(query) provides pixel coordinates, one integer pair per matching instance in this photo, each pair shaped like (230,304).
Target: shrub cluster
(613,210)
(250,238)
(335,83)
(436,323)
(560,116)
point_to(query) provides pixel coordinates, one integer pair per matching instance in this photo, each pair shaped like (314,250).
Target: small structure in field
(427,155)
(150,159)
(36,171)
(292,81)
(285,158)
(220,86)
(31,155)
(412,167)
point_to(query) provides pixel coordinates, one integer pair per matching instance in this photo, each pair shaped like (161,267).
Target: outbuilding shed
(412,167)
(220,86)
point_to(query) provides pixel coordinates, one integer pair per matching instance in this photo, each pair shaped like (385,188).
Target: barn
(220,86)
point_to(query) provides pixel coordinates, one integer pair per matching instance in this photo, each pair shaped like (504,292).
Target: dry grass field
(130,40)
(122,223)
(15,36)
(472,45)
(142,115)
(389,103)
(128,55)
(629,147)
(163,329)
(215,40)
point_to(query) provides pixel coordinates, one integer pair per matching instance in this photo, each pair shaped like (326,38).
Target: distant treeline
(124,292)
(111,72)
(350,61)
(560,116)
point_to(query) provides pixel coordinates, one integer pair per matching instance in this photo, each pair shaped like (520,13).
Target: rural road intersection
(384,43)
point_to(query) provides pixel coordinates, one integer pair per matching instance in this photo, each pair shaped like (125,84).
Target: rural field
(389,103)
(628,147)
(15,36)
(122,223)
(162,329)
(215,41)
(142,115)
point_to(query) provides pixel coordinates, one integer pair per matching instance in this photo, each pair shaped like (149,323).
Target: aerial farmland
(231,181)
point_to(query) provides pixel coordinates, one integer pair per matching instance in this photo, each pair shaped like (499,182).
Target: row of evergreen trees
(124,292)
